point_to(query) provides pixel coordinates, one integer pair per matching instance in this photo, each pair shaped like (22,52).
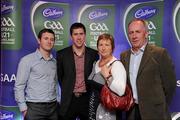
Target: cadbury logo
(6,8)
(53,12)
(145,12)
(98,14)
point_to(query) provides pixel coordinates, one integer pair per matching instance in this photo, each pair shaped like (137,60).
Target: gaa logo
(151,25)
(145,12)
(98,27)
(53,25)
(6,22)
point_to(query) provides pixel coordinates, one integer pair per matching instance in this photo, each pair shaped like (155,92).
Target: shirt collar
(39,55)
(77,54)
(140,50)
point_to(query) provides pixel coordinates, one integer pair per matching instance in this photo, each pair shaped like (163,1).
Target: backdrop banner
(21,20)
(97,19)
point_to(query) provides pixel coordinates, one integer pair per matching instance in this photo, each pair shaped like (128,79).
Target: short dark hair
(76,26)
(44,31)
(108,37)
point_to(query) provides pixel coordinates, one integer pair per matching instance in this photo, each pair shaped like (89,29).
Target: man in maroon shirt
(74,64)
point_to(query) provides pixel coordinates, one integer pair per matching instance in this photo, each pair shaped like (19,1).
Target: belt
(78,94)
(42,103)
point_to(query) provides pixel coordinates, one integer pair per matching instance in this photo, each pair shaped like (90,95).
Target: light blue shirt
(135,60)
(36,80)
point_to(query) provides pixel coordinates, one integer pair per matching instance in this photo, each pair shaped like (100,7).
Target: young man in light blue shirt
(35,87)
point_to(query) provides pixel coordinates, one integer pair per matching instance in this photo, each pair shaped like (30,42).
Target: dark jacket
(67,74)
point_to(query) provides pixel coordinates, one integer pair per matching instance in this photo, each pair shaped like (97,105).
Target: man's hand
(24,113)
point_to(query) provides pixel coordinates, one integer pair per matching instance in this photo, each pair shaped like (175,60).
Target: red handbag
(112,101)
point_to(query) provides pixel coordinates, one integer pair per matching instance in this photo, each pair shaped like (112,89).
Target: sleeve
(118,79)
(23,72)
(95,85)
(92,74)
(168,75)
(91,83)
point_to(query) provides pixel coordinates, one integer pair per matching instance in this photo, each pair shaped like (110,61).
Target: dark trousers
(119,115)
(41,111)
(134,113)
(77,109)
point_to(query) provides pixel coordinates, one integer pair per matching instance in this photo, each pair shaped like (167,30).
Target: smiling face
(105,48)
(137,34)
(46,42)
(78,37)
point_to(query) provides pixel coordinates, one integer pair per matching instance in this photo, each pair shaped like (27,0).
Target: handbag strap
(112,62)
(93,73)
(109,66)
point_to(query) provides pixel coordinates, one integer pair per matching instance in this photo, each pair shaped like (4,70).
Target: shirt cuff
(22,106)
